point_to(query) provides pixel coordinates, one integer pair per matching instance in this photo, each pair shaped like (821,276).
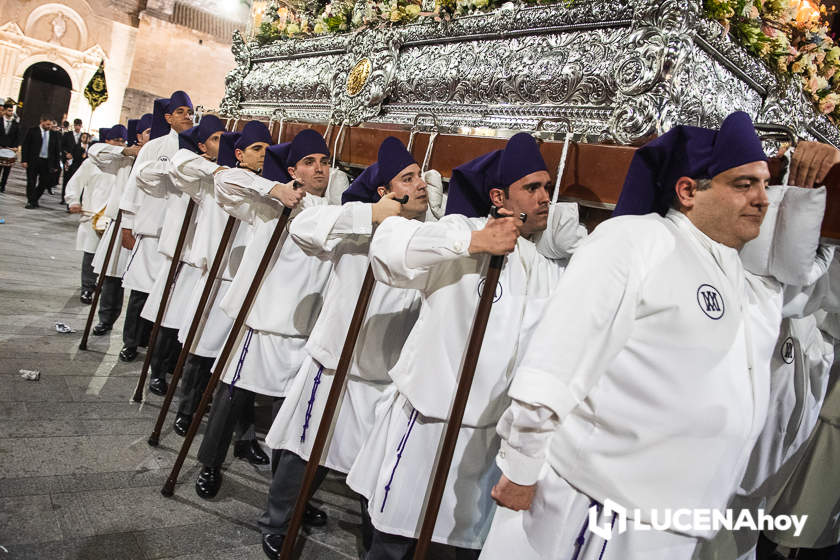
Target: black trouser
(88,275)
(135,327)
(193,382)
(286,481)
(110,300)
(4,175)
(165,353)
(386,546)
(232,412)
(38,177)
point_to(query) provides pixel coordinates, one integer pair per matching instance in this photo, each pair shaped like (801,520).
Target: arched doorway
(45,89)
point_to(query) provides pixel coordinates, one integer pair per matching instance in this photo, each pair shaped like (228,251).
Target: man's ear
(381,190)
(686,189)
(291,171)
(203,147)
(497,197)
(168,118)
(238,153)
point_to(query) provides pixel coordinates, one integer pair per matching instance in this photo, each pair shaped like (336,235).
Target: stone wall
(169,57)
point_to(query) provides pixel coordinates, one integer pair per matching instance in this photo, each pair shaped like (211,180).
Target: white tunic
(340,235)
(110,159)
(396,464)
(155,180)
(91,188)
(145,214)
(286,305)
(643,296)
(215,324)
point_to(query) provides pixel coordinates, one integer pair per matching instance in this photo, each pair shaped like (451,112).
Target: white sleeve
(404,252)
(76,185)
(525,431)
(822,291)
(153,179)
(563,234)
(187,171)
(106,157)
(319,229)
(236,194)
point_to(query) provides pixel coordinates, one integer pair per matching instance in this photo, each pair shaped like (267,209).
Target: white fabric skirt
(395,466)
(119,255)
(86,239)
(144,265)
(186,279)
(215,324)
(297,422)
(265,363)
(556,528)
(813,490)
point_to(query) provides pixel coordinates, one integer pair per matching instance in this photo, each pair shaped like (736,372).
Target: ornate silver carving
(618,70)
(234,79)
(382,50)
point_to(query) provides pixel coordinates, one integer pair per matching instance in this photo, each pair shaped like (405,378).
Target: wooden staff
(339,377)
(453,425)
(164,299)
(105,262)
(329,411)
(221,362)
(196,321)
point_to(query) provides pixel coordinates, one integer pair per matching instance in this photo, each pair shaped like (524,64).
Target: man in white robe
(155,180)
(445,262)
(233,408)
(340,235)
(115,161)
(647,381)
(193,174)
(143,220)
(87,193)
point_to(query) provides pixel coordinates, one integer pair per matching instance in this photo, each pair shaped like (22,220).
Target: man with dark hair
(40,154)
(9,137)
(71,147)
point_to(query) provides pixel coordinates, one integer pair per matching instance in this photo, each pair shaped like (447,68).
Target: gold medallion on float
(358,76)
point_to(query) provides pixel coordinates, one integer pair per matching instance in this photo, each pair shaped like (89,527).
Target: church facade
(50,50)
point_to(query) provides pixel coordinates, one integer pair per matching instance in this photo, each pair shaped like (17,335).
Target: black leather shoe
(86,297)
(251,452)
(208,482)
(158,386)
(30,206)
(314,517)
(182,424)
(128,353)
(272,545)
(100,329)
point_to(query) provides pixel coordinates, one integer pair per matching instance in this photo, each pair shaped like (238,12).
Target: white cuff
(262,185)
(518,467)
(362,219)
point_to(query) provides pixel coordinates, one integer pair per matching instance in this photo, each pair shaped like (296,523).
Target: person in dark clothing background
(40,152)
(72,151)
(9,137)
